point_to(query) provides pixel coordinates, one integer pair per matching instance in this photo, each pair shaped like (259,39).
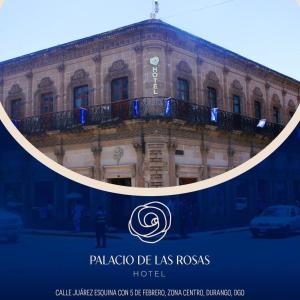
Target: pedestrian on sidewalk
(100,227)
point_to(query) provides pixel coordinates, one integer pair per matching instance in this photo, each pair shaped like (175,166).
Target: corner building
(133,106)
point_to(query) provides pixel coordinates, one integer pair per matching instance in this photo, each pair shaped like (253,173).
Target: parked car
(10,226)
(277,219)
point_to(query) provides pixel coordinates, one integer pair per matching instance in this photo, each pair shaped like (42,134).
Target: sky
(265,31)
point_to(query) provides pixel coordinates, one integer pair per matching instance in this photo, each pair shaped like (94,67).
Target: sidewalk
(111,235)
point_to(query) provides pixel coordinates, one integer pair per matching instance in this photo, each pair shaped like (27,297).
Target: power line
(201,8)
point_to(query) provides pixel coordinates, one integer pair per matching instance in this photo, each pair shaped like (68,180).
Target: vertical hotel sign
(154,62)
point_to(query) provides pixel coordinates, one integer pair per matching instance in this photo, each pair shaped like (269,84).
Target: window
(212,97)
(119,89)
(236,104)
(291,113)
(46,103)
(276,115)
(16,109)
(257,110)
(81,96)
(182,90)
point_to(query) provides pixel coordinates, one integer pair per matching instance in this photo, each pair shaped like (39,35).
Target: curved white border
(135,191)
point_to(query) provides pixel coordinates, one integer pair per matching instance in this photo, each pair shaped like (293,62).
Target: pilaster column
(30,106)
(96,150)
(168,53)
(60,153)
(267,105)
(172,165)
(199,89)
(140,180)
(204,156)
(226,101)
(248,105)
(139,71)
(61,100)
(285,117)
(97,98)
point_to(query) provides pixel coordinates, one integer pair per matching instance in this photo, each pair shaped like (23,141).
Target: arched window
(16,109)
(80,90)
(276,115)
(15,103)
(81,96)
(119,89)
(236,104)
(213,90)
(212,97)
(46,103)
(182,89)
(257,110)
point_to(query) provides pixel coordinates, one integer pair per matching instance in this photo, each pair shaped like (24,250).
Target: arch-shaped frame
(45,86)
(15,93)
(236,88)
(184,71)
(212,80)
(257,96)
(79,78)
(118,69)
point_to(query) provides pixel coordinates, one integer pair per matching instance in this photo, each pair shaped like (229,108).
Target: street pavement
(38,265)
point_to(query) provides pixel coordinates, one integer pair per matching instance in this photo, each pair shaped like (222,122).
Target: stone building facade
(133,106)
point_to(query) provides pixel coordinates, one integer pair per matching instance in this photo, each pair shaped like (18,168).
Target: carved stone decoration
(138,49)
(212,76)
(29,75)
(15,90)
(276,101)
(237,85)
(80,74)
(118,154)
(291,106)
(184,67)
(257,93)
(46,82)
(118,66)
(97,58)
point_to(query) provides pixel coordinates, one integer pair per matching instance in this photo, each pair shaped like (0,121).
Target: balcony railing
(144,109)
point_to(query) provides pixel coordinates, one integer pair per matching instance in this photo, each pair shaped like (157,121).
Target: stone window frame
(236,89)
(45,86)
(184,71)
(79,78)
(212,80)
(291,108)
(275,102)
(15,93)
(118,69)
(257,96)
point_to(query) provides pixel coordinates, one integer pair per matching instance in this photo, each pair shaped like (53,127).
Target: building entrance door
(120,181)
(187,180)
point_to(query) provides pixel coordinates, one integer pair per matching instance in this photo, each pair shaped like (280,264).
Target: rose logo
(150,222)
(154,60)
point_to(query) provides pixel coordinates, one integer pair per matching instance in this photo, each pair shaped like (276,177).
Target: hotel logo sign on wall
(154,62)
(150,222)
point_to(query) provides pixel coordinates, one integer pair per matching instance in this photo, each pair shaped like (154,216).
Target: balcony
(143,109)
